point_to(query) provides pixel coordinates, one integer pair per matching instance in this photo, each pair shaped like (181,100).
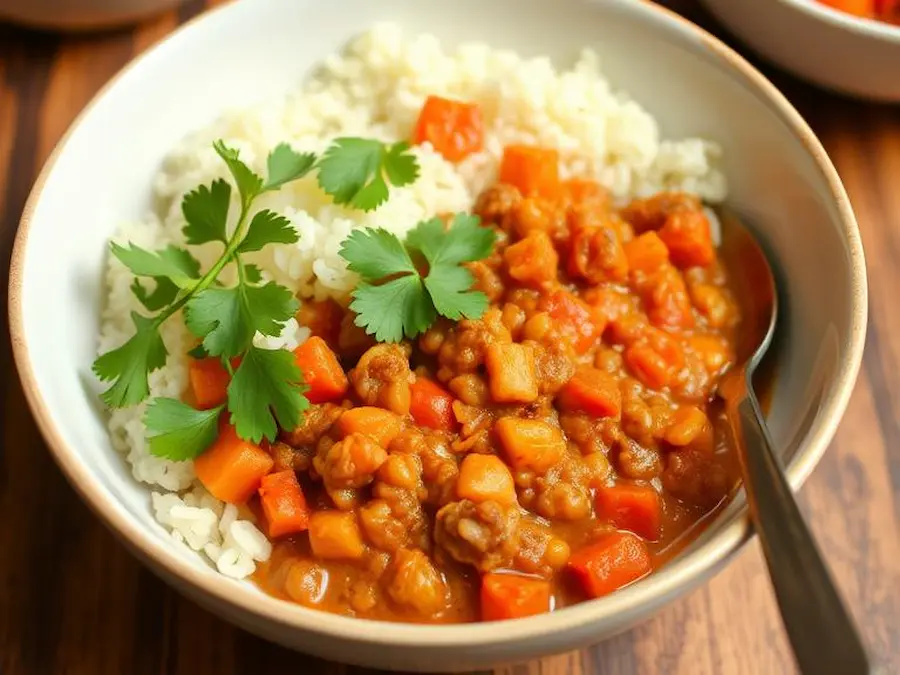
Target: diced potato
(511,373)
(485,478)
(530,445)
(335,535)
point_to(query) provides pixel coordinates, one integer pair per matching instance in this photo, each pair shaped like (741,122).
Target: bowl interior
(780,180)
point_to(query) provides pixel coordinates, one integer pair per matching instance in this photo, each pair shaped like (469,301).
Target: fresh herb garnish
(394,299)
(266,389)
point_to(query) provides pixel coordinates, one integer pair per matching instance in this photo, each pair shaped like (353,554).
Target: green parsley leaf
(206,213)
(228,318)
(171,262)
(354,171)
(266,387)
(198,352)
(394,309)
(464,241)
(249,183)
(252,273)
(162,295)
(267,227)
(178,432)
(375,254)
(285,165)
(128,366)
(451,292)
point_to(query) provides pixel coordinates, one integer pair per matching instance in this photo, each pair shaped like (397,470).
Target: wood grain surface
(73,601)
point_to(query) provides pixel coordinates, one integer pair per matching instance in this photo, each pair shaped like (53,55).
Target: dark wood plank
(73,601)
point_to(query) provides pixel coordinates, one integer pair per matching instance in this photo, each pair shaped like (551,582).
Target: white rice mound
(375,90)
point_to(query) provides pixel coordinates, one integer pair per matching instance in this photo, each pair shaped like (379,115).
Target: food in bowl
(471,377)
(882,10)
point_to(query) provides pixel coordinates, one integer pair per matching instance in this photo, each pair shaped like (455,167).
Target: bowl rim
(638,600)
(863,26)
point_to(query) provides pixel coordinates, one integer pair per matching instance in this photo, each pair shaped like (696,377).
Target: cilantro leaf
(228,318)
(249,183)
(198,352)
(266,387)
(128,366)
(252,273)
(464,241)
(171,262)
(394,309)
(354,171)
(163,294)
(177,431)
(285,165)
(206,213)
(268,227)
(375,253)
(451,292)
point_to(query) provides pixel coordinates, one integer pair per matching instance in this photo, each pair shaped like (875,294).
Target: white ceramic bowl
(100,174)
(855,56)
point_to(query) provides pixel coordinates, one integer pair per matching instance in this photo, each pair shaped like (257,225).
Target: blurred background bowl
(855,56)
(80,14)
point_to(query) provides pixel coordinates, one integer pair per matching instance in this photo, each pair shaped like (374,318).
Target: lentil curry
(556,449)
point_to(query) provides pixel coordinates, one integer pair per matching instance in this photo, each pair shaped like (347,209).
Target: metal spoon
(821,630)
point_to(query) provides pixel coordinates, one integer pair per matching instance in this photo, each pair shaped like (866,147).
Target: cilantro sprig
(395,299)
(266,388)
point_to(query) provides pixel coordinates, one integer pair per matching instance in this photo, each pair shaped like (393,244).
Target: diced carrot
(855,7)
(431,405)
(209,382)
(648,366)
(322,318)
(531,169)
(584,193)
(613,562)
(688,238)
(381,425)
(485,477)
(322,371)
(592,391)
(455,129)
(532,260)
(232,468)
(646,253)
(631,507)
(283,503)
(530,445)
(335,535)
(512,377)
(581,323)
(513,596)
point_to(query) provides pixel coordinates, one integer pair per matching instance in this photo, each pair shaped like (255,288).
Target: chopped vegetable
(631,507)
(532,260)
(453,128)
(485,478)
(592,391)
(530,445)
(576,317)
(232,468)
(513,596)
(431,405)
(321,370)
(688,238)
(613,562)
(283,503)
(267,384)
(648,366)
(408,303)
(335,535)
(532,170)
(209,382)
(511,373)
(381,425)
(646,253)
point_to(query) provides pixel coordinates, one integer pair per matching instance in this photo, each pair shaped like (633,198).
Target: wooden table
(73,601)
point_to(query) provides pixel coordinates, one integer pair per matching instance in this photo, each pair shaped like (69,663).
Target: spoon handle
(821,630)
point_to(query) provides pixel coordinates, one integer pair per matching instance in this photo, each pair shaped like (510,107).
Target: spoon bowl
(821,631)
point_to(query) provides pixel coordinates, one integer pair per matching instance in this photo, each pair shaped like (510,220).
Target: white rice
(376,90)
